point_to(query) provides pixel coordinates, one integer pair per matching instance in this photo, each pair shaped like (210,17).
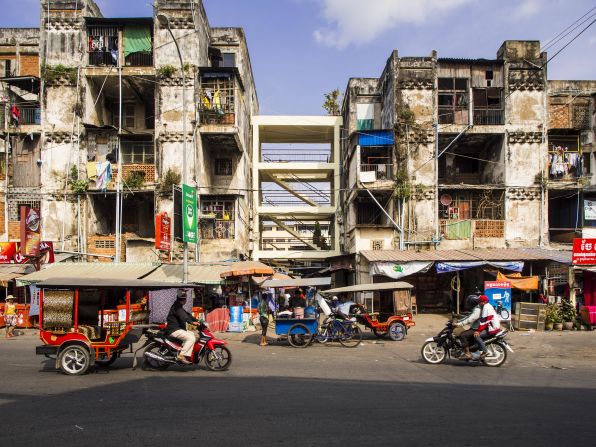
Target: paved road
(378,393)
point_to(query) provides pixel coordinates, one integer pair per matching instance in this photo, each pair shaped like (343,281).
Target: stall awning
(446,267)
(398,285)
(519,282)
(504,255)
(399,270)
(197,274)
(103,283)
(108,271)
(8,272)
(296,282)
(247,268)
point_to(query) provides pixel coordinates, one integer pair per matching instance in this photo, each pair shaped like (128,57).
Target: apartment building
(451,159)
(110,134)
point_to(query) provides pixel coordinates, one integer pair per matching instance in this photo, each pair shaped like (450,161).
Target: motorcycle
(436,349)
(161,350)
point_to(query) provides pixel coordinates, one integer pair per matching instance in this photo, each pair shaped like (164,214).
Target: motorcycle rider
(474,320)
(490,324)
(177,320)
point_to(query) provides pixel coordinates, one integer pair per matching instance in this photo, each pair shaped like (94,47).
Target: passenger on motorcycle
(177,320)
(490,323)
(473,319)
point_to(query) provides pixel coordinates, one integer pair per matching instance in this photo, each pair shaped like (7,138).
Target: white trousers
(188,341)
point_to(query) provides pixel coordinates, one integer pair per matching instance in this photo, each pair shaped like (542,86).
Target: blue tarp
(376,138)
(446,267)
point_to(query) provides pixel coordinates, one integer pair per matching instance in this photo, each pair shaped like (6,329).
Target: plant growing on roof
(166,71)
(331,104)
(170,179)
(403,186)
(135,180)
(77,185)
(52,73)
(406,115)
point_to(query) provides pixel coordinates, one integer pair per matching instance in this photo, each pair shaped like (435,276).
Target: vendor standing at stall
(264,318)
(298,303)
(10,316)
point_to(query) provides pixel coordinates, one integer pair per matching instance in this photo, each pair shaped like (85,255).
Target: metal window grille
(14,207)
(223,166)
(138,152)
(105,244)
(376,245)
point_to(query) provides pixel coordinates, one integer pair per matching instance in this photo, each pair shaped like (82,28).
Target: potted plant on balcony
(568,314)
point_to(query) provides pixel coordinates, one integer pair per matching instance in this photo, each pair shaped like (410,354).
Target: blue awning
(376,138)
(446,267)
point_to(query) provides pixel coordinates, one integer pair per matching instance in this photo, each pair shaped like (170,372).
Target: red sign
(584,251)
(30,232)
(162,231)
(497,285)
(10,253)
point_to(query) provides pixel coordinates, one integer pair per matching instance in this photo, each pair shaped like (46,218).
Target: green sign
(189,214)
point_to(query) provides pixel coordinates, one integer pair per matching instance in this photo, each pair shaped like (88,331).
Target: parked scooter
(161,350)
(436,349)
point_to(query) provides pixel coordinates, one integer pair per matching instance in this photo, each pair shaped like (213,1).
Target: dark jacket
(177,318)
(297,301)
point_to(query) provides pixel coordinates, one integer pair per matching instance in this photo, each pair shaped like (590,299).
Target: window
(223,166)
(217,218)
(6,68)
(14,207)
(488,106)
(365,116)
(377,245)
(453,100)
(489,78)
(138,152)
(229,59)
(128,115)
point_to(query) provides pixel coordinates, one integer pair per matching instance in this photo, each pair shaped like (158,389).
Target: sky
(301,49)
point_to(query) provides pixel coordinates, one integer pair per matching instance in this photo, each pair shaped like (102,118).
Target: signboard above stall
(584,252)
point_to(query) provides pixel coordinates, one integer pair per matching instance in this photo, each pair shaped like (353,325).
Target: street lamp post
(163,21)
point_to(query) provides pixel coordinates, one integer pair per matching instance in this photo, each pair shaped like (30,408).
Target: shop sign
(189,214)
(589,210)
(162,231)
(30,232)
(584,251)
(499,296)
(10,253)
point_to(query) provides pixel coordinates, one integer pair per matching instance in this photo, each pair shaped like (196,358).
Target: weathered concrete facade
(464,160)
(111,93)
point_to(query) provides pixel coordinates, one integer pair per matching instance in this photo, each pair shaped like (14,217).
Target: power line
(555,39)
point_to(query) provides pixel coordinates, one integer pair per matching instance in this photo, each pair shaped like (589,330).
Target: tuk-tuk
(394,317)
(86,321)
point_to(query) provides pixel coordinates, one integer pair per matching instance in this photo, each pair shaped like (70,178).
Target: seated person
(298,300)
(176,326)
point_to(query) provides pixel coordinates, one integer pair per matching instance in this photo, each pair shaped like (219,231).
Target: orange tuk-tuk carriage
(86,321)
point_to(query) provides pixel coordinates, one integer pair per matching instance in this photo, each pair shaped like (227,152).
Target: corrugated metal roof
(8,272)
(114,271)
(197,273)
(297,282)
(505,254)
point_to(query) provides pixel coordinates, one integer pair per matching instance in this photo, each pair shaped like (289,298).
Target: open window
(453,100)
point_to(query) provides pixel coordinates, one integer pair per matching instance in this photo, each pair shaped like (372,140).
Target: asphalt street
(377,393)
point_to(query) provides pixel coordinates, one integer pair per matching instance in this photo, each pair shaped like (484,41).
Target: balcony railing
(466,228)
(218,101)
(290,157)
(140,59)
(493,117)
(382,172)
(450,115)
(103,58)
(217,229)
(292,243)
(29,115)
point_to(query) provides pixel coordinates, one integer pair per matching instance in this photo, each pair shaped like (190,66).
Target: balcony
(27,116)
(489,117)
(120,42)
(477,228)
(376,172)
(454,115)
(222,114)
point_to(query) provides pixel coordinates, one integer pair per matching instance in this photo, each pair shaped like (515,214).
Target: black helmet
(472,301)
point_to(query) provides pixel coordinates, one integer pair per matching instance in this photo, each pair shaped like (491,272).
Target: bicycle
(346,332)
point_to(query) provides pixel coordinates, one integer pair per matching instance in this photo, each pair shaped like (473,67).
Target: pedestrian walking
(264,318)
(10,316)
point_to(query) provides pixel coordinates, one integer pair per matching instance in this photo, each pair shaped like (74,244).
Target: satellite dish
(446,199)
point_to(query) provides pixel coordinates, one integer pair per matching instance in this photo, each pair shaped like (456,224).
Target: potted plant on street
(552,316)
(568,314)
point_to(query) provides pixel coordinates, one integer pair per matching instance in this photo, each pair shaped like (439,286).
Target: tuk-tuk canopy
(103,283)
(372,287)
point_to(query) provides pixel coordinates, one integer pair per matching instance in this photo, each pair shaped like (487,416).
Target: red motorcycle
(162,350)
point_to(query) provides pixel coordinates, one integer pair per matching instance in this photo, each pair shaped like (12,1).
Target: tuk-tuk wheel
(397,331)
(74,360)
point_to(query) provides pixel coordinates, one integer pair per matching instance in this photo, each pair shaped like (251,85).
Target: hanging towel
(104,175)
(91,170)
